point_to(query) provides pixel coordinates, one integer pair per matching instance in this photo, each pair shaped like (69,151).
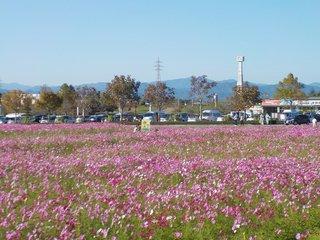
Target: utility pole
(158,68)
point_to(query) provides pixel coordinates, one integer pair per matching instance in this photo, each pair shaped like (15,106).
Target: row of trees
(122,93)
(65,101)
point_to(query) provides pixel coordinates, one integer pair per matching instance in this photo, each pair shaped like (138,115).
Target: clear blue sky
(81,41)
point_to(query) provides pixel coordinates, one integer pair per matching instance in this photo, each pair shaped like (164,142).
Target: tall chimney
(240,60)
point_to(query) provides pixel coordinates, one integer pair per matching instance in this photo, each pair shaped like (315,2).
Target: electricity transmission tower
(158,68)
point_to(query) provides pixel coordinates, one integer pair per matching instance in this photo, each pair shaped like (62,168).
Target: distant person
(314,122)
(261,119)
(235,118)
(268,119)
(241,119)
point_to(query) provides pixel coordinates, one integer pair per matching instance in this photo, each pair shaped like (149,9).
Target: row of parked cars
(50,119)
(153,116)
(207,115)
(298,118)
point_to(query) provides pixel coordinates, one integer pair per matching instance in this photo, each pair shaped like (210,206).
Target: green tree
(48,101)
(245,97)
(107,103)
(12,101)
(158,94)
(200,89)
(27,104)
(68,95)
(122,90)
(290,88)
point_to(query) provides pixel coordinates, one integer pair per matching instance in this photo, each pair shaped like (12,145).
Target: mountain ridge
(180,85)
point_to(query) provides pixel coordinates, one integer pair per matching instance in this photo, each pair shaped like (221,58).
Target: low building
(275,107)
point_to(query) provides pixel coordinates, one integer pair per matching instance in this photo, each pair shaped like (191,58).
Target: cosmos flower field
(103,181)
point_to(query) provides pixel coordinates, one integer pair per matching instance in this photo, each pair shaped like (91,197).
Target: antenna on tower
(158,67)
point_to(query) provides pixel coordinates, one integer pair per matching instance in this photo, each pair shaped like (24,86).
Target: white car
(46,119)
(220,119)
(150,116)
(13,120)
(79,120)
(250,119)
(211,115)
(193,118)
(164,117)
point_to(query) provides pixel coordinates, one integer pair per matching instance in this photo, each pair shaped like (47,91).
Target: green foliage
(68,95)
(13,101)
(49,101)
(290,88)
(122,90)
(107,102)
(25,120)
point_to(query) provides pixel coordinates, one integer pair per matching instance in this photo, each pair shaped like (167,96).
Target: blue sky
(80,41)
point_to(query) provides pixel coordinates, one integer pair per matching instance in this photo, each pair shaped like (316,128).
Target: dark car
(317,116)
(313,115)
(126,117)
(298,119)
(3,120)
(36,118)
(138,117)
(97,118)
(182,117)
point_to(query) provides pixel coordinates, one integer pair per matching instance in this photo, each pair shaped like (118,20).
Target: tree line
(122,93)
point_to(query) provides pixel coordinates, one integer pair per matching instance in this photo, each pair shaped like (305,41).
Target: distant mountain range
(181,87)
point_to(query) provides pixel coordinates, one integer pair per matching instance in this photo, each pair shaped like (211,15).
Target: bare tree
(159,94)
(200,89)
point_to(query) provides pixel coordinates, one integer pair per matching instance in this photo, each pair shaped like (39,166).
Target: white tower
(240,60)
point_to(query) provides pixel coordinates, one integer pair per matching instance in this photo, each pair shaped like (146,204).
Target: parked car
(36,118)
(288,114)
(212,115)
(298,119)
(47,119)
(64,119)
(97,118)
(3,120)
(80,119)
(193,117)
(163,117)
(138,117)
(152,116)
(126,117)
(182,117)
(14,117)
(313,115)
(11,120)
(316,116)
